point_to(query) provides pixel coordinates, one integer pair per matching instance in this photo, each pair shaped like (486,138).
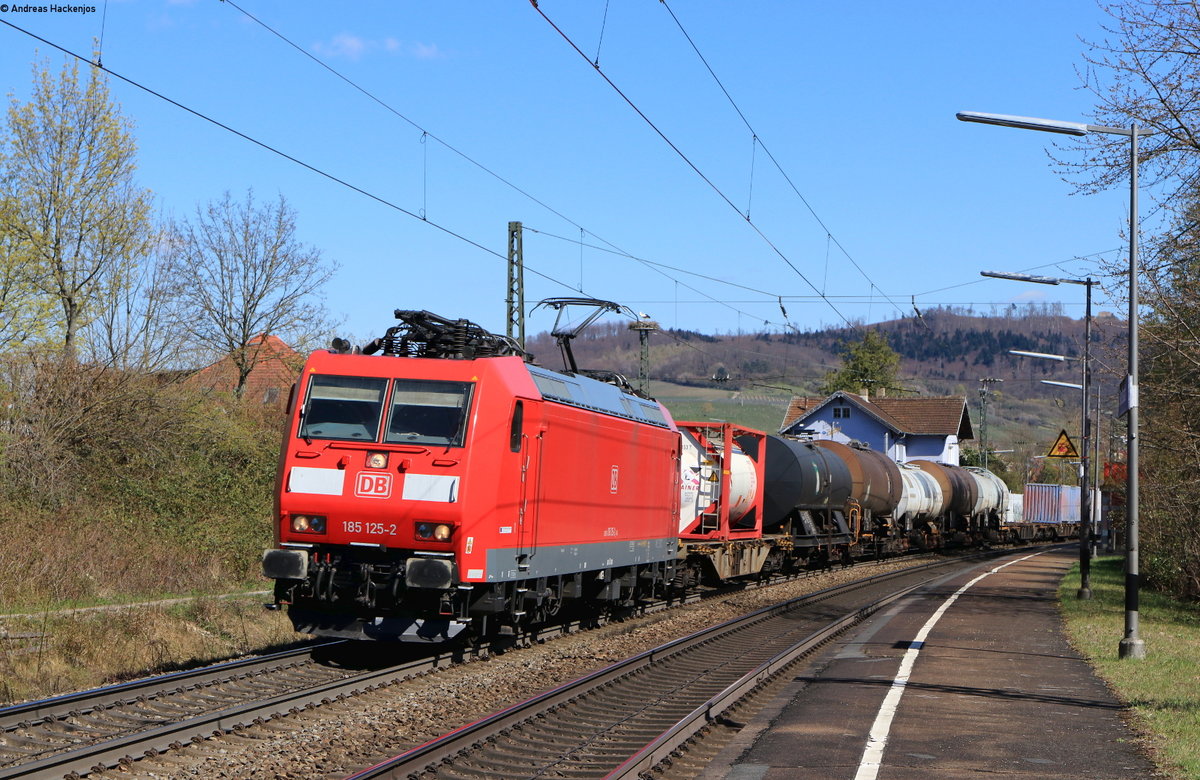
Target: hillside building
(276,366)
(904,428)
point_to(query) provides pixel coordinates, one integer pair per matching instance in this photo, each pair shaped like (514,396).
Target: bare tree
(74,213)
(237,271)
(1145,70)
(1171,427)
(134,327)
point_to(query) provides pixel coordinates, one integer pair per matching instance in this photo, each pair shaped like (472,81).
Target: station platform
(947,683)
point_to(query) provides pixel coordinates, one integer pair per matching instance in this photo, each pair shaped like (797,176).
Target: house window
(841,412)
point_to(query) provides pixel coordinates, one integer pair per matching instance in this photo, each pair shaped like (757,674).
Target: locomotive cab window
(343,407)
(428,412)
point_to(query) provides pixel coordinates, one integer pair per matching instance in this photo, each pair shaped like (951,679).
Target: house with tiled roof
(904,428)
(275,368)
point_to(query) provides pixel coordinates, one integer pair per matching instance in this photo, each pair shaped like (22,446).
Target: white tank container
(700,481)
(920,497)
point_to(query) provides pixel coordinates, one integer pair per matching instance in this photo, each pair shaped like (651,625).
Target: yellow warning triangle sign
(1063,447)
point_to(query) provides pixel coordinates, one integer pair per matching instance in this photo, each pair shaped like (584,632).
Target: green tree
(74,219)
(867,363)
(237,271)
(23,310)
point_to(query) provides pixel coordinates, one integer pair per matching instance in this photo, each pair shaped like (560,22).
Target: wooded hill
(749,377)
(943,352)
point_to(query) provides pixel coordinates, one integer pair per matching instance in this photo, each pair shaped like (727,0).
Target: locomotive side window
(518,421)
(343,407)
(428,412)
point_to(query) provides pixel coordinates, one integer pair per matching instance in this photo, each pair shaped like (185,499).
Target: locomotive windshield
(343,407)
(420,411)
(428,412)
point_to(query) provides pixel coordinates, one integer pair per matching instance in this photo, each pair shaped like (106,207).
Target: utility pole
(984,391)
(515,324)
(644,327)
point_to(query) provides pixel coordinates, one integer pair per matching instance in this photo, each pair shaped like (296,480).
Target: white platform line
(872,758)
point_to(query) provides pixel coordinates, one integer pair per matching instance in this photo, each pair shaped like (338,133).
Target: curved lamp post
(1085,425)
(1131,645)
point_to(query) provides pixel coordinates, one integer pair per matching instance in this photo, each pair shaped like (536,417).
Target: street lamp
(1085,425)
(1131,645)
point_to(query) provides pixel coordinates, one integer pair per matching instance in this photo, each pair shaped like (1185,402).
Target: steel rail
(125,748)
(116,751)
(695,722)
(455,743)
(60,706)
(121,748)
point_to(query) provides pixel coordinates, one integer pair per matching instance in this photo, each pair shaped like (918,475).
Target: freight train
(437,484)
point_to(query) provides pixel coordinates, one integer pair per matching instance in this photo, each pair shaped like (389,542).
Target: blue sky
(856,102)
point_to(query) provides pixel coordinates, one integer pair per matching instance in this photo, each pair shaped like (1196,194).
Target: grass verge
(1163,689)
(61,652)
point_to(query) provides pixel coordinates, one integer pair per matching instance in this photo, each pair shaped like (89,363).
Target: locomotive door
(530,448)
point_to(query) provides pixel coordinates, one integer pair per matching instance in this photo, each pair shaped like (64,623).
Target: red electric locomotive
(448,483)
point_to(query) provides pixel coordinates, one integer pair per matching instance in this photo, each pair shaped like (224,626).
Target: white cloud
(343,45)
(347,46)
(426,51)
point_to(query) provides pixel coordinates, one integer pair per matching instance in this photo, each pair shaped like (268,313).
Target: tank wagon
(438,484)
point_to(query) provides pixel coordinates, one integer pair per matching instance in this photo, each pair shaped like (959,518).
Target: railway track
(81,733)
(88,731)
(625,719)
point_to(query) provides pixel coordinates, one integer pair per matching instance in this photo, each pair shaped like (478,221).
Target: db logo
(373,485)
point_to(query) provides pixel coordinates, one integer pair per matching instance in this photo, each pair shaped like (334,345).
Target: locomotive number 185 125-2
(379,529)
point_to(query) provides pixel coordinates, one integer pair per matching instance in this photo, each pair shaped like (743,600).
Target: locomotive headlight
(377,460)
(308,524)
(439,532)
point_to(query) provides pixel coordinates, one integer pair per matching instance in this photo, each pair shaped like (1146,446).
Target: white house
(904,428)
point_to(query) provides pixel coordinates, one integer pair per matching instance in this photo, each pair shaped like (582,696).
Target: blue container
(1053,504)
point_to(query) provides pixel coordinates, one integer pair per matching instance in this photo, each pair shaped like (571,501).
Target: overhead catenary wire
(768,295)
(427,135)
(422,217)
(757,140)
(263,145)
(720,193)
(657,267)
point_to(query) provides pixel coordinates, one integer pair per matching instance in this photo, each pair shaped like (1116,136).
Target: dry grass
(63,651)
(80,559)
(1163,689)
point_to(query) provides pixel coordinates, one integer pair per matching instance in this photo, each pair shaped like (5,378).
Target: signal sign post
(1064,448)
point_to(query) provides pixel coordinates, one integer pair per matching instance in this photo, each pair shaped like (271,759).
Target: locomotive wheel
(549,606)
